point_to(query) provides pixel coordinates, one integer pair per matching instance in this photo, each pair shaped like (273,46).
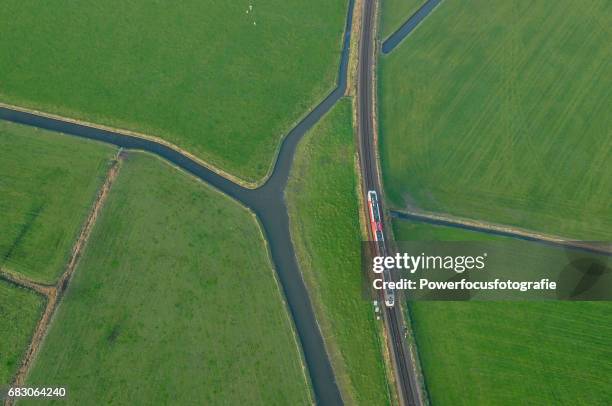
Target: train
(376,225)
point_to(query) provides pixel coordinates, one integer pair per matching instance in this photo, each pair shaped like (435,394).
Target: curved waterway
(267,202)
(409,26)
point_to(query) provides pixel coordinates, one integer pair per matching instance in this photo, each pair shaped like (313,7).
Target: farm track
(500,230)
(53,294)
(25,282)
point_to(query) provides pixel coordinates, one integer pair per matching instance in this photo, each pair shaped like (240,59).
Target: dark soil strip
(409,26)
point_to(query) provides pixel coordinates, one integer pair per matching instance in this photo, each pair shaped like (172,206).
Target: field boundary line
(25,282)
(56,292)
(81,241)
(500,229)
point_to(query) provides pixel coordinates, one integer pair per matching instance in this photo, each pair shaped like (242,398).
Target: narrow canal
(267,202)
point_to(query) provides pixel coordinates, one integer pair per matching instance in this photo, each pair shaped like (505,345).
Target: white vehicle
(377,231)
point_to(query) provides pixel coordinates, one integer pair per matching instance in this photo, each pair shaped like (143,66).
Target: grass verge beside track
(48,184)
(174,300)
(324,214)
(507,353)
(496,111)
(216,78)
(19,311)
(394,13)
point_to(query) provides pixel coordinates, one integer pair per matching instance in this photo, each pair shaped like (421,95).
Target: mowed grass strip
(504,353)
(20,310)
(174,301)
(394,13)
(220,79)
(48,182)
(497,111)
(324,214)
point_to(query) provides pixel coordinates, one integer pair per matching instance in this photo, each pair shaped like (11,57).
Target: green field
(394,13)
(48,183)
(322,200)
(483,353)
(199,74)
(19,313)
(174,301)
(496,110)
(406,230)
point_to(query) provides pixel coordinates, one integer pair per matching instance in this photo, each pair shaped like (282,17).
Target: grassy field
(482,353)
(174,301)
(394,13)
(206,75)
(322,200)
(496,110)
(406,230)
(19,313)
(48,184)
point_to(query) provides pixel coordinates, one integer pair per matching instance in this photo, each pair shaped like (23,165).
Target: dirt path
(24,281)
(54,293)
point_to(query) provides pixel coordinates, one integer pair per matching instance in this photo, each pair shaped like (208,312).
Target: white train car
(379,237)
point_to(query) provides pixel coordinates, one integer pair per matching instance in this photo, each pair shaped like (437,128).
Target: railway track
(403,362)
